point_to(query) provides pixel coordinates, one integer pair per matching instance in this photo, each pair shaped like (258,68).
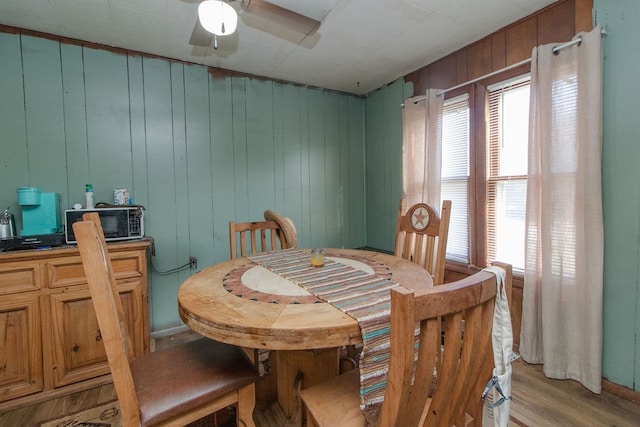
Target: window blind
(455,174)
(508,134)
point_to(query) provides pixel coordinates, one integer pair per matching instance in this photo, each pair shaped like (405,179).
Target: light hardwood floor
(537,401)
(540,401)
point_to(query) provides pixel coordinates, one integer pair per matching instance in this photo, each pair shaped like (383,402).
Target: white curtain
(562,302)
(422,149)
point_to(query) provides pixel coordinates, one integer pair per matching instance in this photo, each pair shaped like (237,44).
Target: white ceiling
(360,45)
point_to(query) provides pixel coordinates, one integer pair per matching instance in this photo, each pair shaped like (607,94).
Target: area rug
(106,415)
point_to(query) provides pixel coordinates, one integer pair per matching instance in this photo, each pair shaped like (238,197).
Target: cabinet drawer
(68,271)
(19,277)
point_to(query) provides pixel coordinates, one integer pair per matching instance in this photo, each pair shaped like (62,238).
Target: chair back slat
(455,355)
(109,312)
(254,237)
(427,244)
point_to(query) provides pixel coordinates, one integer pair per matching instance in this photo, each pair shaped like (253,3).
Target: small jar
(317,257)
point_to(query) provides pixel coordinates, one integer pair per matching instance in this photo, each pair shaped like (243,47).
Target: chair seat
(181,378)
(335,402)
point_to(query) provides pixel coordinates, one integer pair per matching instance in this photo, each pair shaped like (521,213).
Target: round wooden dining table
(242,303)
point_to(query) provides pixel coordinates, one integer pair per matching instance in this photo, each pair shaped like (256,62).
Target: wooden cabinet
(50,342)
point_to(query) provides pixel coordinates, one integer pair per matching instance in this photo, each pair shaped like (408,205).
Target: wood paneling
(197,148)
(559,22)
(44,109)
(479,59)
(383,157)
(498,51)
(356,201)
(583,15)
(620,196)
(520,40)
(462,66)
(14,162)
(420,79)
(552,23)
(444,74)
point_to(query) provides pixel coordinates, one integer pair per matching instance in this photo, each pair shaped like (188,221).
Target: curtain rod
(556,49)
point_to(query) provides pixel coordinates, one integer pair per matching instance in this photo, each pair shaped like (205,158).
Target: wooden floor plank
(538,400)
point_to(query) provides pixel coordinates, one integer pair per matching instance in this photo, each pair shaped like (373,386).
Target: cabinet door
(20,346)
(77,352)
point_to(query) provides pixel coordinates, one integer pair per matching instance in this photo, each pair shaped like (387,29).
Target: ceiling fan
(264,16)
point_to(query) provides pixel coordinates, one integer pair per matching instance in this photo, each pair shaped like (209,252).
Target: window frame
(478,123)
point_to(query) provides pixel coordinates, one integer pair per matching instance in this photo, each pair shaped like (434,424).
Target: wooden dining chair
(421,236)
(451,370)
(288,235)
(275,232)
(175,386)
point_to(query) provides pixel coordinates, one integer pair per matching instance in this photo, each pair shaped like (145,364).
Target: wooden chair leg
(246,405)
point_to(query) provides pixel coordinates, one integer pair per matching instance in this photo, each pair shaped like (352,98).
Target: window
(489,224)
(455,174)
(507,142)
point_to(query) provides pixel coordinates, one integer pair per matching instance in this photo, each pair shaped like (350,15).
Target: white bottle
(88,192)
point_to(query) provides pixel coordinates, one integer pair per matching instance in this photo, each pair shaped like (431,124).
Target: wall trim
(621,391)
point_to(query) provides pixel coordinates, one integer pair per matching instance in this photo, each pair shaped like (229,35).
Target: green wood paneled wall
(384,162)
(620,191)
(195,150)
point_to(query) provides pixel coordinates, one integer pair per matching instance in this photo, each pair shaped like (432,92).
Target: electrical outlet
(193,262)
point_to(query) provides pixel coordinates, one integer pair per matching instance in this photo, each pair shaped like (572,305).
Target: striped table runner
(361,295)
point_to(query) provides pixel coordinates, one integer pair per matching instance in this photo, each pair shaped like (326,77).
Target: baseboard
(163,338)
(621,391)
(169,331)
(370,248)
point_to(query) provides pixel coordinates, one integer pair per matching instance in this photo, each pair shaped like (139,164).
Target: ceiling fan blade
(261,14)
(264,16)
(200,36)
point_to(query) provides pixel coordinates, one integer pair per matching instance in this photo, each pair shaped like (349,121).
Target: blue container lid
(28,196)
(29,190)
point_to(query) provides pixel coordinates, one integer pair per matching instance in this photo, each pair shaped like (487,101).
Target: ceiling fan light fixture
(218,17)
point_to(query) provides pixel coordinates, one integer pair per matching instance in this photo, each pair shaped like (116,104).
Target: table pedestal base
(299,369)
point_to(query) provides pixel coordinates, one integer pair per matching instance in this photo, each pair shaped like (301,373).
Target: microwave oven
(119,223)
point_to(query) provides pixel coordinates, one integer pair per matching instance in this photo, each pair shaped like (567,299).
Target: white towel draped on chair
(497,394)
